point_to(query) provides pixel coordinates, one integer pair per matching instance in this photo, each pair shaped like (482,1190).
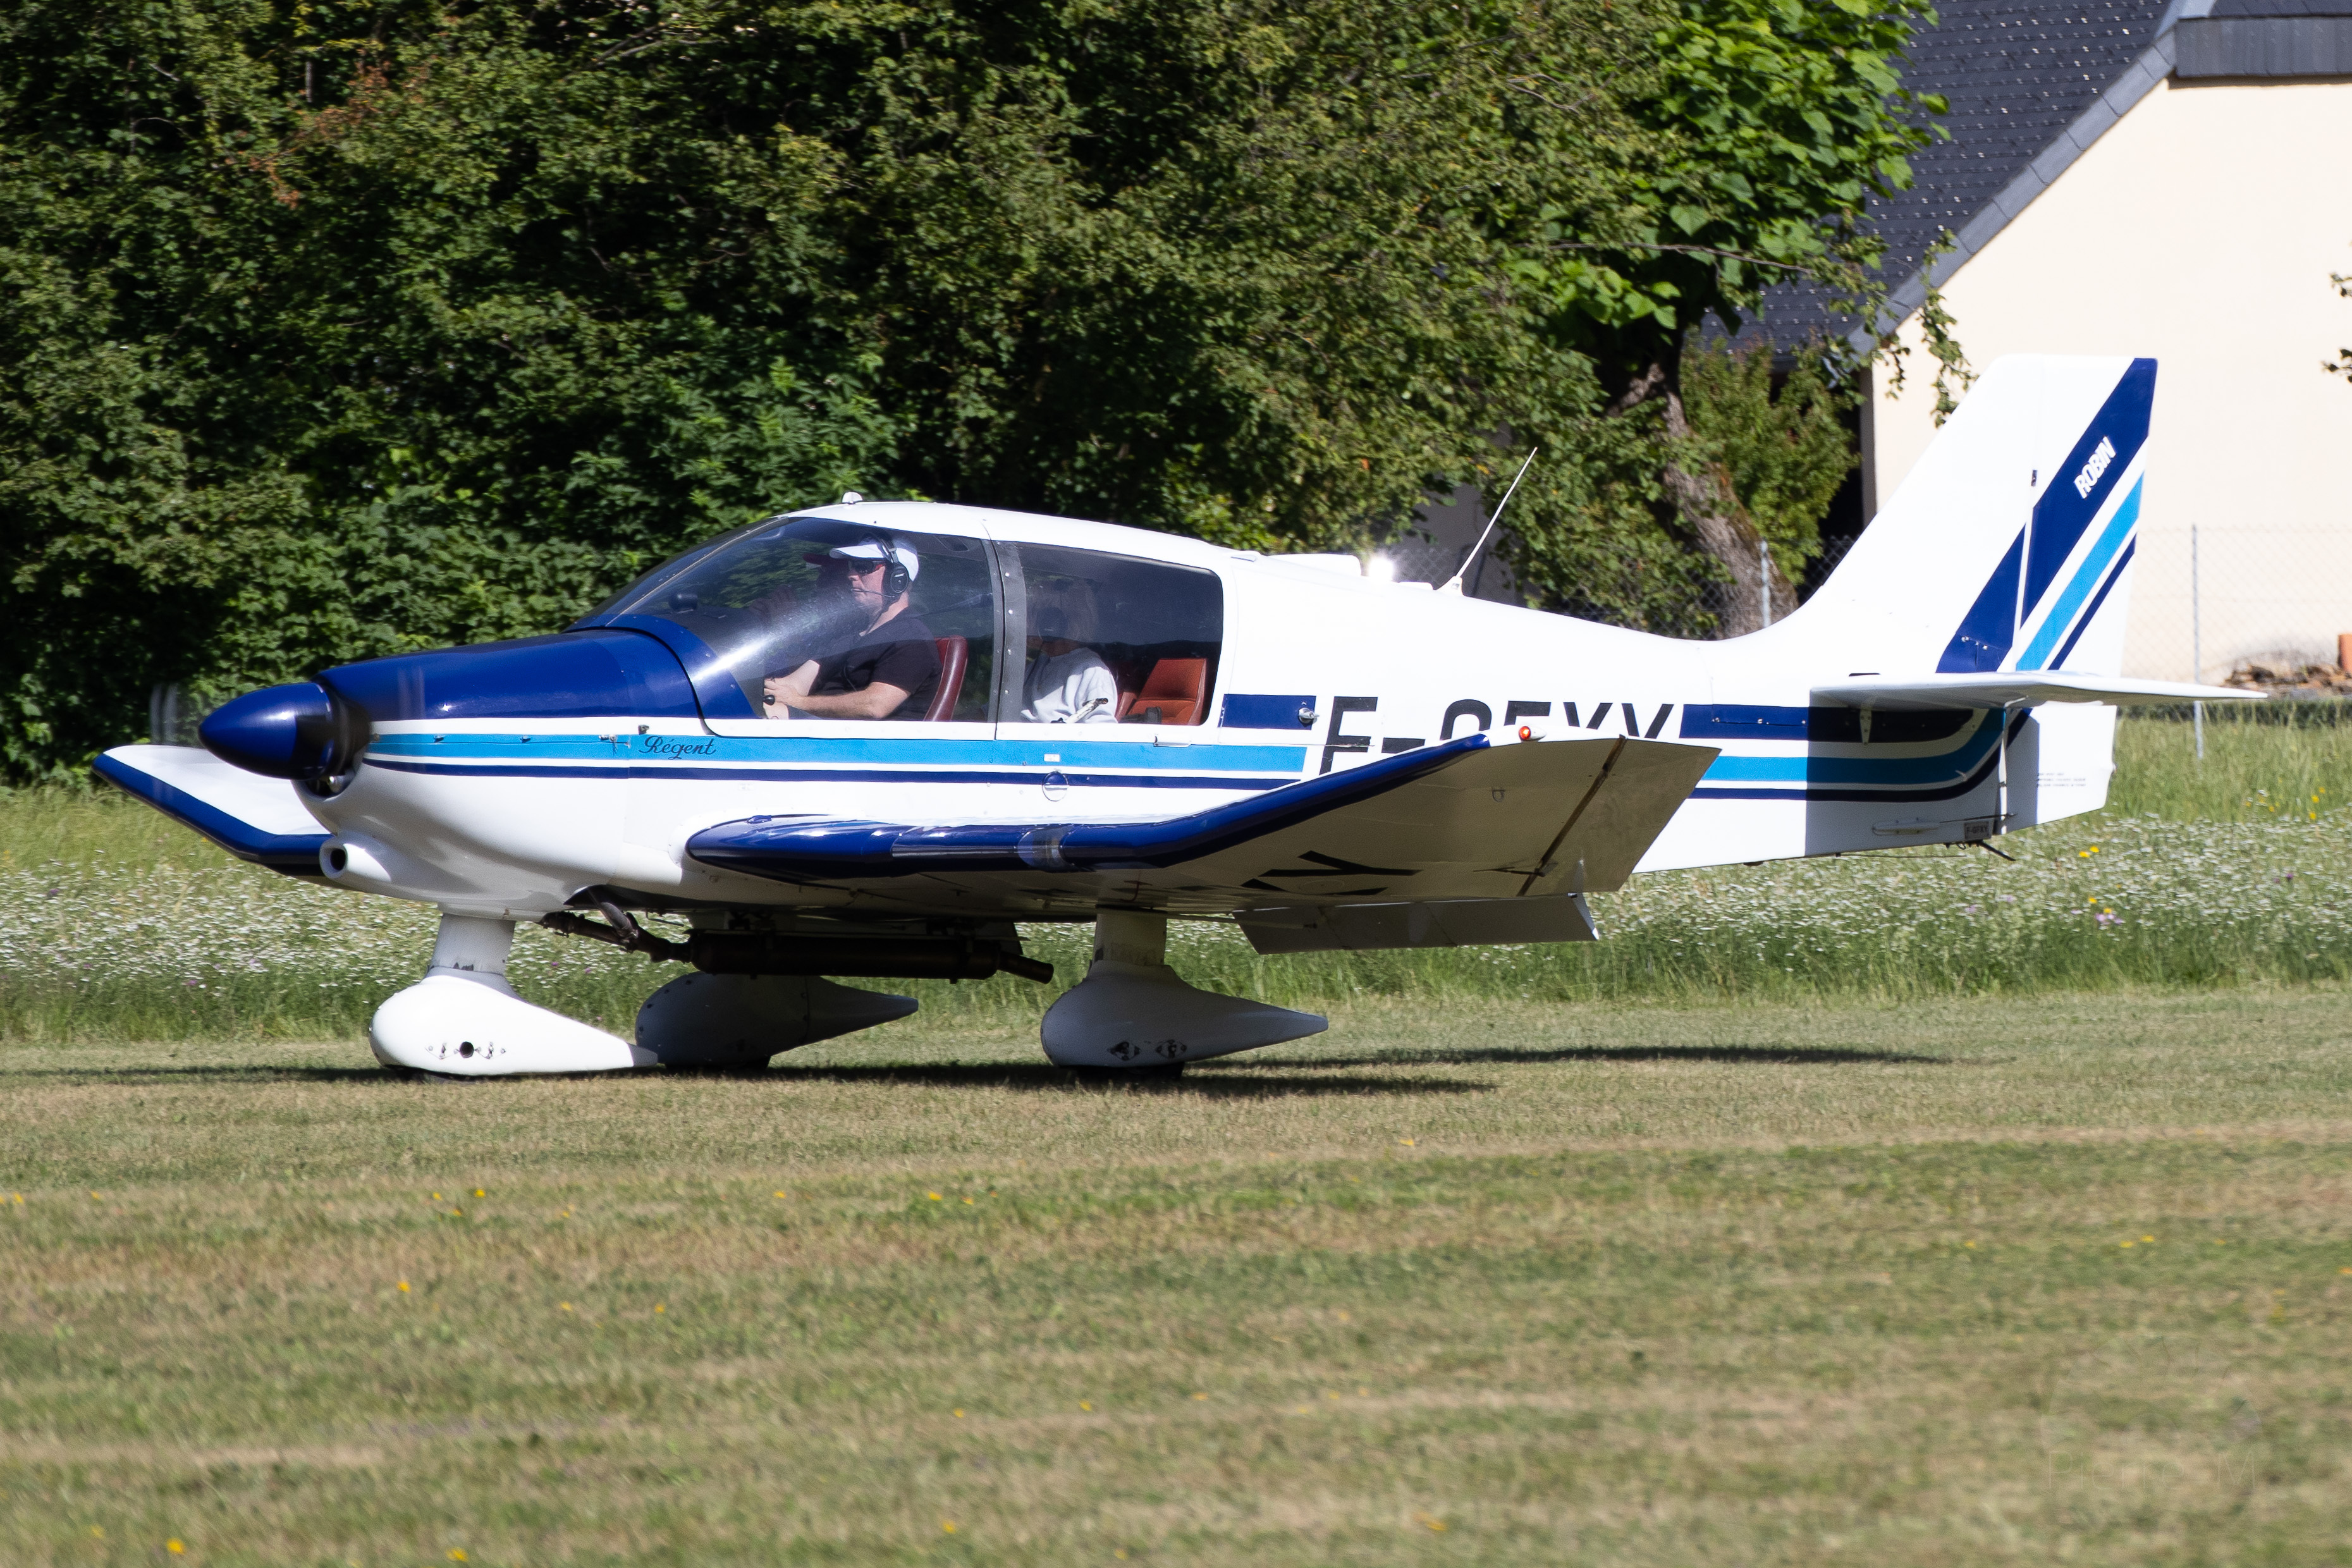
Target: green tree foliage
(343,327)
(1782,453)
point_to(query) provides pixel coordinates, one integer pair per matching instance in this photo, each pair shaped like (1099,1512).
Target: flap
(1442,922)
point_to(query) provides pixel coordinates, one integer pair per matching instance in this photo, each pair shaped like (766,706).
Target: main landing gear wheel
(1131,1014)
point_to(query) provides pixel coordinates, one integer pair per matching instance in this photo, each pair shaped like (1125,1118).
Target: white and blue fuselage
(1311,748)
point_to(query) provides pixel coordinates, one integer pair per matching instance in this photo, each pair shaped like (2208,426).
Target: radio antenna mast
(1453,584)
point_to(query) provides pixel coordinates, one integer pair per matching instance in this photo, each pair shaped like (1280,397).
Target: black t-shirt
(900,652)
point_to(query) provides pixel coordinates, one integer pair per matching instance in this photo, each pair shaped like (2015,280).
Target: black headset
(895,580)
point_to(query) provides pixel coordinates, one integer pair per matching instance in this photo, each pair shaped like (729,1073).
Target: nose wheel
(463,1021)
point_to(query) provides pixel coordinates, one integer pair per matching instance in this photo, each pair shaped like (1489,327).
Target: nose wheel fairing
(464,1020)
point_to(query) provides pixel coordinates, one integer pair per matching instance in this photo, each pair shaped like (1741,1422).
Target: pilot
(1067,682)
(888,663)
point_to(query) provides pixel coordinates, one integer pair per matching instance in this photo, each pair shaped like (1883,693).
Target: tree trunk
(1710,508)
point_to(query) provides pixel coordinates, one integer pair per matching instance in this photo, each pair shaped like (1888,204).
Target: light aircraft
(1059,721)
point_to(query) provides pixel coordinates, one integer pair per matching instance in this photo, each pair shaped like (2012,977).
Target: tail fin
(2009,546)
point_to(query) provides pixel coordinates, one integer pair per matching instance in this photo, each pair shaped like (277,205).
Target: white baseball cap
(872,550)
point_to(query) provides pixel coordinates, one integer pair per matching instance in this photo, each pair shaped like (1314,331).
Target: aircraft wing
(254,818)
(1999,689)
(1465,820)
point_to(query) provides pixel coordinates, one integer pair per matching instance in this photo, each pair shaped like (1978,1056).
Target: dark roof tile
(2016,73)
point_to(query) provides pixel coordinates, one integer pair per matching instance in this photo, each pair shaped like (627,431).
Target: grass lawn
(2062,1278)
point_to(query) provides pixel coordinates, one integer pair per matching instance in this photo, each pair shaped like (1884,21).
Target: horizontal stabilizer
(2026,688)
(1465,820)
(254,818)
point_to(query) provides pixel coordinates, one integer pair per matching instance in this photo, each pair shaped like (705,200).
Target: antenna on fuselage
(1453,585)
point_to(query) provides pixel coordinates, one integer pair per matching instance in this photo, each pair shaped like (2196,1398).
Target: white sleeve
(1093,680)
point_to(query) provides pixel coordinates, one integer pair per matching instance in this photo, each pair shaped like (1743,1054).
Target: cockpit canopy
(754,603)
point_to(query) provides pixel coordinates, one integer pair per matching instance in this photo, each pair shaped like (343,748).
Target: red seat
(1178,689)
(955,658)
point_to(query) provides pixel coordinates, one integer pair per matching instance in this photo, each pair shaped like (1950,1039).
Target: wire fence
(2250,605)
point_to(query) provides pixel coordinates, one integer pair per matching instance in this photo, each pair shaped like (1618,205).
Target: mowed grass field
(1761,1266)
(1972,1281)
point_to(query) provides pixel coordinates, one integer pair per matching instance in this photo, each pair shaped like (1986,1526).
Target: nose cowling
(293,732)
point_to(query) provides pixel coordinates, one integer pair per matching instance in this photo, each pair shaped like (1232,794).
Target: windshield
(822,618)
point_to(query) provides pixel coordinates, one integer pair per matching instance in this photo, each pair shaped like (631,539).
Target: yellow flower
(658,1307)
(959,1414)
(967,1199)
(2148,1239)
(935,1197)
(404,1287)
(458,1554)
(948,1525)
(563,1306)
(176,1546)
(1431,1521)
(1083,1404)
(1200,1396)
(479,1193)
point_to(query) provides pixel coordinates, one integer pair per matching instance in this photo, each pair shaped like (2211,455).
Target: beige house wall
(2200,230)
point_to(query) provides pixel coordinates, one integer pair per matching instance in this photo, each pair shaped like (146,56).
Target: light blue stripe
(1890,772)
(840,750)
(2087,577)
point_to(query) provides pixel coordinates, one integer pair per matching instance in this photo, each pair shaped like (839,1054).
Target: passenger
(888,664)
(1067,682)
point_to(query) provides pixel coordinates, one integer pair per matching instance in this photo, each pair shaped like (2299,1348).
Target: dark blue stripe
(296,854)
(836,851)
(2064,512)
(1747,720)
(2097,599)
(828,775)
(1991,624)
(1253,711)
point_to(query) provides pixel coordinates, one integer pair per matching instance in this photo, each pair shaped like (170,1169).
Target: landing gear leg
(463,1020)
(1132,1012)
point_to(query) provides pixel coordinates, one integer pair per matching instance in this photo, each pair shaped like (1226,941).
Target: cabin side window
(819,620)
(1113,640)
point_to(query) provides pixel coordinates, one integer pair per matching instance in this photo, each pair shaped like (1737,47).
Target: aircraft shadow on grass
(1736,1056)
(1271,1082)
